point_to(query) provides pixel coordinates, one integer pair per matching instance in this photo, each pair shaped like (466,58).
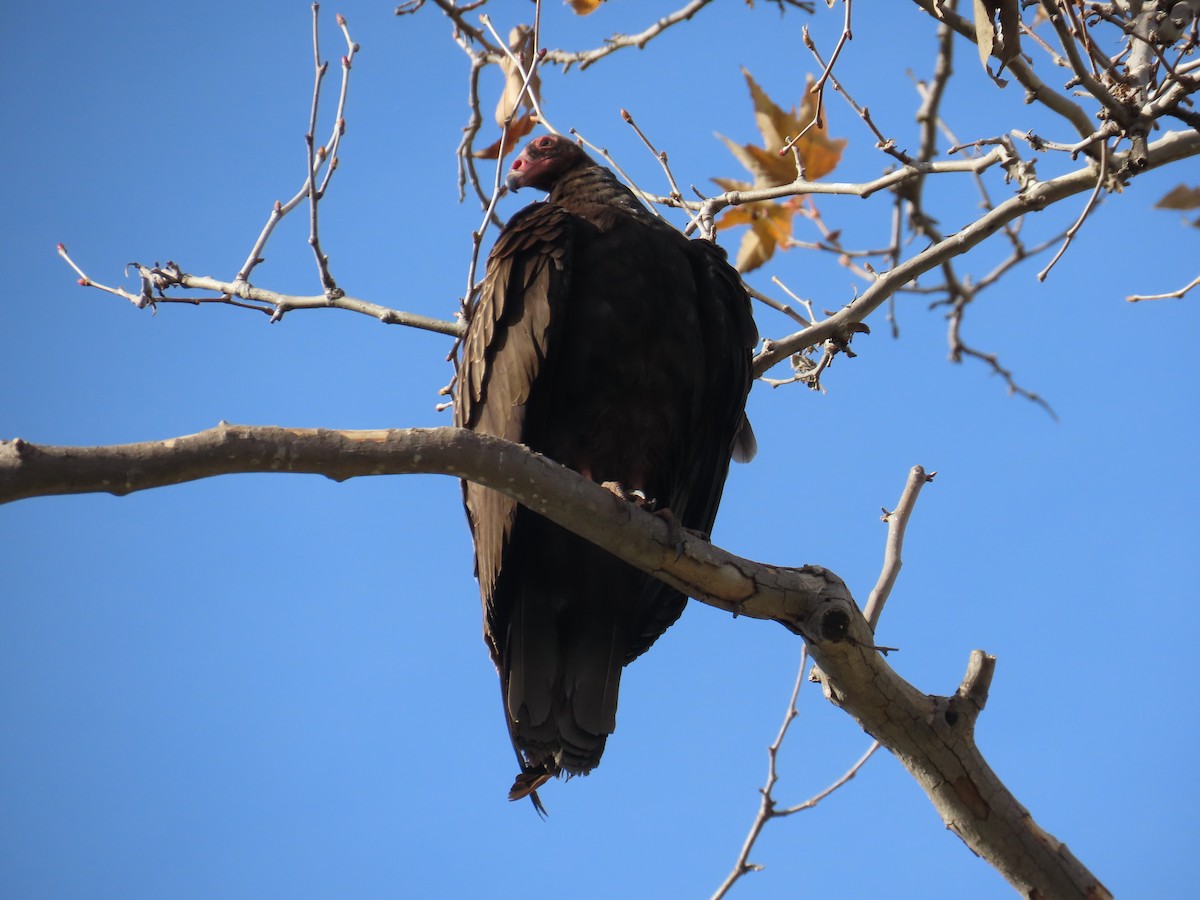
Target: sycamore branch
(933,736)
(1171,147)
(156,280)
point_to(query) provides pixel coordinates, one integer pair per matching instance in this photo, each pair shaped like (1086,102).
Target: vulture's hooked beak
(515,180)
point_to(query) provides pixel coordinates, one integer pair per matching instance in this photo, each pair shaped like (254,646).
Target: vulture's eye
(546,143)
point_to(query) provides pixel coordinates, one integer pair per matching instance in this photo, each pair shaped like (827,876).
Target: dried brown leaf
(770,227)
(818,152)
(768,169)
(998,30)
(514,98)
(771,222)
(520,42)
(1180,197)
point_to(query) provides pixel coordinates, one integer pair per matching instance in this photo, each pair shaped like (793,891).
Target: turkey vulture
(606,340)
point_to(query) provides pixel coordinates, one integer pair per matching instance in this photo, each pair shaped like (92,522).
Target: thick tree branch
(932,736)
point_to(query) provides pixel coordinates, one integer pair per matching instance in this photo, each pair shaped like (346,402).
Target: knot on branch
(840,342)
(834,625)
(960,711)
(824,611)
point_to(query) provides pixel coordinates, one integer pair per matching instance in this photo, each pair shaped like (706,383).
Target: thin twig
(314,196)
(959,349)
(768,809)
(803,187)
(1172,295)
(1101,177)
(767,803)
(818,87)
(661,156)
(897,521)
(783,307)
(279,209)
(617,42)
(526,74)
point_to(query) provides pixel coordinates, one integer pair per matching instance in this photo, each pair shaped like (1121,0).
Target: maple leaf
(771,222)
(520,42)
(770,226)
(819,153)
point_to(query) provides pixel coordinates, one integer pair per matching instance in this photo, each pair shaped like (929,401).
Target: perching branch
(932,736)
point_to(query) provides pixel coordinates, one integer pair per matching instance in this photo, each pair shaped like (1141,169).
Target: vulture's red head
(543,161)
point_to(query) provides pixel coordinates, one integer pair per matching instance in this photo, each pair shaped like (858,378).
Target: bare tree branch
(1171,147)
(1170,295)
(897,521)
(585,58)
(768,807)
(157,279)
(1035,88)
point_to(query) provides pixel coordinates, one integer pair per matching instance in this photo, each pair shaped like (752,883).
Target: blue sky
(275,686)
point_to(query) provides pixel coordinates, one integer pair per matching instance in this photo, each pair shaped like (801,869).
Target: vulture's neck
(593,193)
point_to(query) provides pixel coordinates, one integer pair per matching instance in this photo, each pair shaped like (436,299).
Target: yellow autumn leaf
(819,153)
(770,226)
(768,169)
(584,7)
(771,222)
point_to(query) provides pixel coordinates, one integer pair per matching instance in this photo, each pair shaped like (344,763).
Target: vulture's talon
(675,530)
(637,498)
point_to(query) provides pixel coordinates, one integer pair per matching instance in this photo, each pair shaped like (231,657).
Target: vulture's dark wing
(512,326)
(729,334)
